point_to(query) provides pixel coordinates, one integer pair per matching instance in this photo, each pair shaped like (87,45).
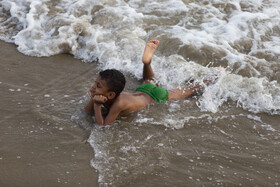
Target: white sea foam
(115,32)
(254,94)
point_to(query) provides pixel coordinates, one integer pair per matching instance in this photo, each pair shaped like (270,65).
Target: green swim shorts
(158,94)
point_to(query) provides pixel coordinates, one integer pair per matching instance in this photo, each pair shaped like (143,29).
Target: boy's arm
(114,111)
(98,114)
(89,106)
(109,119)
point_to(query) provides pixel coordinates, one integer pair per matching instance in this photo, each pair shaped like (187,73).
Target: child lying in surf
(108,91)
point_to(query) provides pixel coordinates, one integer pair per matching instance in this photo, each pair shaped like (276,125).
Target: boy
(107,91)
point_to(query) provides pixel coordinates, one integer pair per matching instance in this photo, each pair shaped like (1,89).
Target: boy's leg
(181,93)
(149,51)
(191,90)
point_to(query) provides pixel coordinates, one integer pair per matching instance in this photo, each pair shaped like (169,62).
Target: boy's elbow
(100,123)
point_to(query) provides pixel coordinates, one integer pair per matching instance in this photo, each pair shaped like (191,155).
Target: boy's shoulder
(122,100)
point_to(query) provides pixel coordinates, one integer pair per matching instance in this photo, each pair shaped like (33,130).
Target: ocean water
(228,136)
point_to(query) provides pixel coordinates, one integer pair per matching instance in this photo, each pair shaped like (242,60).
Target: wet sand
(40,145)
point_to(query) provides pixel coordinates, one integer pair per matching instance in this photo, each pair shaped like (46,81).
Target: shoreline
(40,145)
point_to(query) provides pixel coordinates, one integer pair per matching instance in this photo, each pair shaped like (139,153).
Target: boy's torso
(131,102)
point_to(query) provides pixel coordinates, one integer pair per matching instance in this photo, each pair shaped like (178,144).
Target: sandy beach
(40,145)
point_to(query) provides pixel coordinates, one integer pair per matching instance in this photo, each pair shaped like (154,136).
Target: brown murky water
(228,136)
(39,145)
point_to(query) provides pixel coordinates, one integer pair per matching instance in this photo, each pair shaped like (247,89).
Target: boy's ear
(111,95)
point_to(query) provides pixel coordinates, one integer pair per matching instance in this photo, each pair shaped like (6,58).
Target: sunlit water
(227,136)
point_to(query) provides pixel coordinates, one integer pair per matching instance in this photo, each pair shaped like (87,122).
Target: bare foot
(149,51)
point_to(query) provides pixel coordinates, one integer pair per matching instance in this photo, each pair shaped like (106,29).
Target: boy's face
(99,88)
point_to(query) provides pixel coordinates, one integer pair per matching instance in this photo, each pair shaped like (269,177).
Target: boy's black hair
(115,80)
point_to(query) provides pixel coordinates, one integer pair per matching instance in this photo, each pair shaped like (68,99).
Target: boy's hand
(99,99)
